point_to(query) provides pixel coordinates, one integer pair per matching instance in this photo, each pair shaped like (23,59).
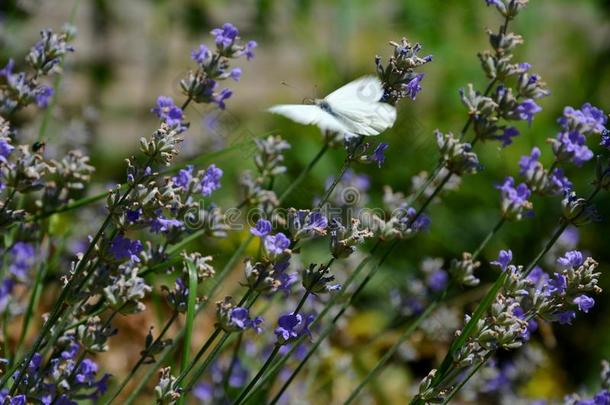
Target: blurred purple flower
(504,259)
(527,109)
(262,228)
(276,244)
(211,180)
(584,303)
(413,87)
(226,35)
(124,248)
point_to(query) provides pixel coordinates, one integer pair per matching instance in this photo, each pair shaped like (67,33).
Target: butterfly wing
(358,107)
(311,115)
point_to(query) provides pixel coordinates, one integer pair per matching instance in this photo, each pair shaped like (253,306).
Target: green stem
(206,363)
(489,236)
(143,357)
(465,380)
(233,363)
(296,182)
(276,367)
(185,370)
(329,191)
(242,396)
(190,317)
(386,357)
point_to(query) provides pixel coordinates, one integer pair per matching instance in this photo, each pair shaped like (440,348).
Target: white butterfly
(351,110)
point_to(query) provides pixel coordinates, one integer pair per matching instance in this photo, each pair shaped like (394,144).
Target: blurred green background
(129,52)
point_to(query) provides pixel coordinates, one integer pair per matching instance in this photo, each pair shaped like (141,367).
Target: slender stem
(489,236)
(34,296)
(59,307)
(296,182)
(190,318)
(329,191)
(198,356)
(245,391)
(133,395)
(386,357)
(233,363)
(143,357)
(206,363)
(472,372)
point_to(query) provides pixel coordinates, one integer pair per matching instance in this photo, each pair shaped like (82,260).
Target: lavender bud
(463,270)
(457,157)
(165,391)
(316,281)
(578,211)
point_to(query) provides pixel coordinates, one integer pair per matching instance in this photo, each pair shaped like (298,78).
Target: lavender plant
(269,323)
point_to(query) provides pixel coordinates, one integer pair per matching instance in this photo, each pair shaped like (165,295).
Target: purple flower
(240,318)
(588,119)
(5,149)
(507,136)
(504,259)
(573,259)
(220,98)
(414,87)
(6,289)
(605,139)
(560,182)
(86,371)
(210,180)
(124,248)
(572,143)
(378,154)
(160,224)
(256,324)
(602,398)
(527,163)
(7,70)
(565,317)
(276,244)
(558,284)
(538,276)
(226,35)
(184,177)
(201,54)
(167,111)
(437,280)
(43,94)
(22,259)
(532,325)
(512,196)
(262,228)
(20,399)
(584,302)
(417,223)
(235,74)
(133,215)
(249,51)
(291,327)
(497,3)
(527,109)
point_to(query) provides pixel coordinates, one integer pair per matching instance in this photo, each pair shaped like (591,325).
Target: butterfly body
(354,109)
